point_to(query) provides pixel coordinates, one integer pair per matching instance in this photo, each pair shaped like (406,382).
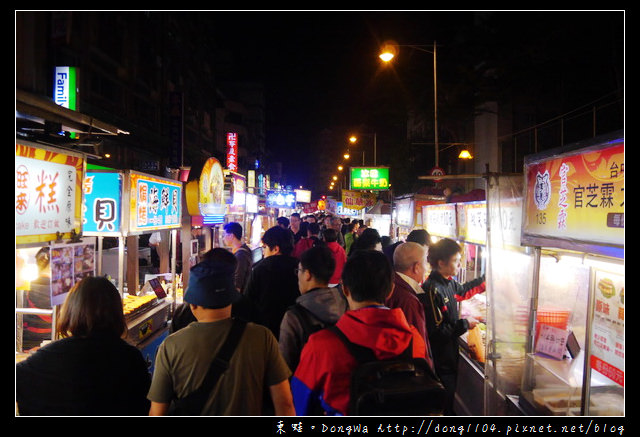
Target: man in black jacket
(441,296)
(273,284)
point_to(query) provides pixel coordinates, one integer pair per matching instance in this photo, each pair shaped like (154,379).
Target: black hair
(234,228)
(319,261)
(368,275)
(218,254)
(419,236)
(295,214)
(314,228)
(283,221)
(304,227)
(368,240)
(442,250)
(330,235)
(277,236)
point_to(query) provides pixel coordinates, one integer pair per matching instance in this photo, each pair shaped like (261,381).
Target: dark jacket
(271,289)
(94,376)
(243,268)
(405,298)
(444,326)
(324,306)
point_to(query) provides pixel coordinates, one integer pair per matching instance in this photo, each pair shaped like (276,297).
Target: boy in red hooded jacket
(322,378)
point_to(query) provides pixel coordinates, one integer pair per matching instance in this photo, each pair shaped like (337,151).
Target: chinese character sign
(607,337)
(281,199)
(102,203)
(441,220)
(232,151)
(577,196)
(47,195)
(155,203)
(374,178)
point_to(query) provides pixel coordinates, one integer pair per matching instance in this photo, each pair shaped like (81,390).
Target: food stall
(406,214)
(573,222)
(466,224)
(126,204)
(48,199)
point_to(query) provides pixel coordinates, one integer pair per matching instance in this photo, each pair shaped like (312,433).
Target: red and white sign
(437,171)
(232,151)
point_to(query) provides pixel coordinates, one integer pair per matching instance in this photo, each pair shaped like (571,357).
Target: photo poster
(69,264)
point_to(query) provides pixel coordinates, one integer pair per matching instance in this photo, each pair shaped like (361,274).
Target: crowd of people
(270,319)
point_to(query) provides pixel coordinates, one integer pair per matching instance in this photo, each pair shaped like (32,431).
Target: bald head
(407,255)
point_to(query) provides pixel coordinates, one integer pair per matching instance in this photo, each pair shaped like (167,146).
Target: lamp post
(354,138)
(388,53)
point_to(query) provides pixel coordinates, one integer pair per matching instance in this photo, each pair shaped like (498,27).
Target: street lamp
(353,139)
(389,51)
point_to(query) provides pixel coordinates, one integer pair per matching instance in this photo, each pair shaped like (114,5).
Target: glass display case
(573,221)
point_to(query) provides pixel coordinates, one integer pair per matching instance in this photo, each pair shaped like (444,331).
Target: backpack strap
(308,325)
(195,400)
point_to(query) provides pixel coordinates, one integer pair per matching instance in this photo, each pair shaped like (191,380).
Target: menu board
(441,220)
(577,196)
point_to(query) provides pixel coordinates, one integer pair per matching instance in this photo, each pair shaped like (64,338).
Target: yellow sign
(577,196)
(358,200)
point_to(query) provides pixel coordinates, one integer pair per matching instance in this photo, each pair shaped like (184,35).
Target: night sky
(320,68)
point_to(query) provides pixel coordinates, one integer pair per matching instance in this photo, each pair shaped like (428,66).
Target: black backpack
(400,386)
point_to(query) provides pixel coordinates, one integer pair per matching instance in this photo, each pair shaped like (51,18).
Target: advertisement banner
(48,194)
(69,263)
(102,207)
(576,196)
(154,203)
(369,178)
(211,189)
(472,222)
(607,337)
(281,199)
(358,200)
(440,220)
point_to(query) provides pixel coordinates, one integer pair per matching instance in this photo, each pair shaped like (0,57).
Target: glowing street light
(464,154)
(389,51)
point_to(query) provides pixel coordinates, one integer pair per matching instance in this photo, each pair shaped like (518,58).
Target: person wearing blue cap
(184,358)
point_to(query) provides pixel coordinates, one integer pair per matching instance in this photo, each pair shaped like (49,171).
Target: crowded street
(198,236)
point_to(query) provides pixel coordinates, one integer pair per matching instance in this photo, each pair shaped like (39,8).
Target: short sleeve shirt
(184,358)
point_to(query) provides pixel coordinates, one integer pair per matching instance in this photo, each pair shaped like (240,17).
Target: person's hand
(472,323)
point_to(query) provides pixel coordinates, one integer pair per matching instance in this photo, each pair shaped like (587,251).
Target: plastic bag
(476,344)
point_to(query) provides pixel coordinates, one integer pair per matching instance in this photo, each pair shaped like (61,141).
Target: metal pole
(435,101)
(375,148)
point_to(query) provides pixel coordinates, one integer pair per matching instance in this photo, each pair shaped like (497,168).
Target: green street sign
(369,178)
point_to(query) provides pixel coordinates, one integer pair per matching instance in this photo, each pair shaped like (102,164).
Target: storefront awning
(39,110)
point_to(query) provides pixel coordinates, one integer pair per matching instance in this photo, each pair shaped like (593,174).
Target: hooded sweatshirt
(340,257)
(323,376)
(324,307)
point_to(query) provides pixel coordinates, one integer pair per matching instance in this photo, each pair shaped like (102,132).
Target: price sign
(552,341)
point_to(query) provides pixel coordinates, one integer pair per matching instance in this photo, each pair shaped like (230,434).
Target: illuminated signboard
(232,151)
(576,196)
(155,203)
(303,196)
(280,199)
(64,87)
(102,203)
(48,194)
(369,178)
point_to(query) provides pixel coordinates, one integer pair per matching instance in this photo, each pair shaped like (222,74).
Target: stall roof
(34,112)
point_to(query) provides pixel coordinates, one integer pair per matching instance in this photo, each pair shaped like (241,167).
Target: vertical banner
(232,151)
(176,125)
